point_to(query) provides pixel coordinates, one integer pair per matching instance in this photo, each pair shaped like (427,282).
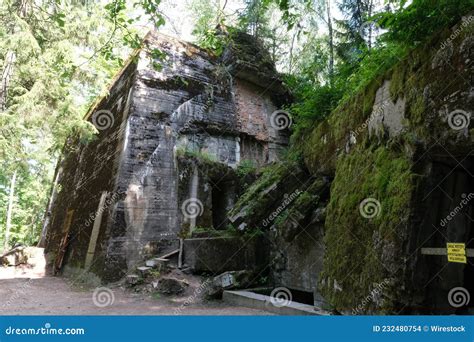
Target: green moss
(397,81)
(281,219)
(246,167)
(408,79)
(369,97)
(351,239)
(203,156)
(267,195)
(255,195)
(324,142)
(467,31)
(416,110)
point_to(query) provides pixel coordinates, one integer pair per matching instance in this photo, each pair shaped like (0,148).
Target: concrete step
(262,302)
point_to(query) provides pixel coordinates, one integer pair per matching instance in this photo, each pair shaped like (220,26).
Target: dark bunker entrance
(446,213)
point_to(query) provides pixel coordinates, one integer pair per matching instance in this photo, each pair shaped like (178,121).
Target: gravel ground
(28,291)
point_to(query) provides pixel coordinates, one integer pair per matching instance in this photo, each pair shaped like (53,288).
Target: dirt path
(23,292)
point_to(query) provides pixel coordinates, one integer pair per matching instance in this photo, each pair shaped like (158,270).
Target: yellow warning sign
(457,258)
(456,245)
(456,252)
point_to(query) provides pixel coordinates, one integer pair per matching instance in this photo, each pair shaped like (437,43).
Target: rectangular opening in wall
(220,200)
(297,296)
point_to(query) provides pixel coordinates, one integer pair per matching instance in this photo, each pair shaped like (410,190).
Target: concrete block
(217,255)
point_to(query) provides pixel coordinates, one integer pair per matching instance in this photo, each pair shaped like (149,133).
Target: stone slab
(218,255)
(262,302)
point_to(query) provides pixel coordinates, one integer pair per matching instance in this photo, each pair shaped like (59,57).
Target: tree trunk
(370,26)
(9,212)
(290,67)
(331,43)
(7,72)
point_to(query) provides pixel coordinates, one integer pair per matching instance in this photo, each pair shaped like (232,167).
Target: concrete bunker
(172,138)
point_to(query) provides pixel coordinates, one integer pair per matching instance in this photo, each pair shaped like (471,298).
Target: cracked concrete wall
(187,105)
(260,140)
(86,171)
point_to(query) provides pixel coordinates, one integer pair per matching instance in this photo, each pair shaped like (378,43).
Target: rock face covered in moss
(386,148)
(166,159)
(288,205)
(397,158)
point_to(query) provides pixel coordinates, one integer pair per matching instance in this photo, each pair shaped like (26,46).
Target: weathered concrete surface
(262,302)
(216,255)
(387,114)
(216,185)
(84,173)
(193,105)
(298,263)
